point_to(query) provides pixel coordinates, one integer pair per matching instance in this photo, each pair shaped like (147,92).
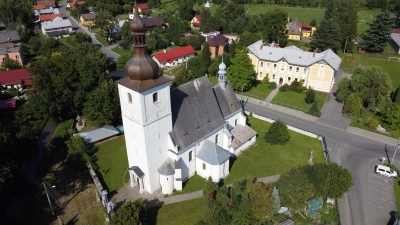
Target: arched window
(155,97)
(129,98)
(216,139)
(236,122)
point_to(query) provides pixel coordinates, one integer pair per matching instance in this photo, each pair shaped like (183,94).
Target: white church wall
(162,107)
(244,146)
(188,167)
(205,170)
(130,109)
(220,134)
(223,170)
(167,184)
(239,117)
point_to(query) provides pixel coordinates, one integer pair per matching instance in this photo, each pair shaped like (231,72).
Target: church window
(236,122)
(190,156)
(260,75)
(129,98)
(216,138)
(290,68)
(268,65)
(261,64)
(155,97)
(204,166)
(297,69)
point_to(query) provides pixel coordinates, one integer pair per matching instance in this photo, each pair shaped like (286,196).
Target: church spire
(141,66)
(222,74)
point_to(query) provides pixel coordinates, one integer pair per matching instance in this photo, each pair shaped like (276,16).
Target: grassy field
(259,92)
(296,100)
(101,40)
(396,184)
(264,159)
(119,51)
(112,158)
(187,212)
(195,183)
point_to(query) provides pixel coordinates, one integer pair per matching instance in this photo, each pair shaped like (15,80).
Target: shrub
(272,85)
(265,80)
(284,88)
(12,92)
(314,108)
(277,133)
(373,123)
(310,96)
(296,86)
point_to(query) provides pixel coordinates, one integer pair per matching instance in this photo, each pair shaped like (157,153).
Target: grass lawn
(264,159)
(187,212)
(296,100)
(89,125)
(123,16)
(259,92)
(119,51)
(112,158)
(101,40)
(194,183)
(396,184)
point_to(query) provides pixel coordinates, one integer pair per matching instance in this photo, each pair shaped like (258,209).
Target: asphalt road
(371,199)
(80,28)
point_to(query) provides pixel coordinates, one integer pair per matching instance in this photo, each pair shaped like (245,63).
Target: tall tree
(313,23)
(106,22)
(276,201)
(185,9)
(259,196)
(394,6)
(274,26)
(130,213)
(154,3)
(330,11)
(122,59)
(247,38)
(214,67)
(314,108)
(277,133)
(205,55)
(390,115)
(10,64)
(346,15)
(377,36)
(126,35)
(326,36)
(241,72)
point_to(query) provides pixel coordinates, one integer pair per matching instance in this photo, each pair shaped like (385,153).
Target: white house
(171,135)
(174,57)
(56,27)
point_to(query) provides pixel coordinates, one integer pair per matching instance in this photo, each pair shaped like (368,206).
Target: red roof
(196,24)
(143,6)
(8,104)
(198,17)
(75,4)
(171,55)
(396,30)
(27,82)
(39,7)
(14,76)
(49,17)
(48,3)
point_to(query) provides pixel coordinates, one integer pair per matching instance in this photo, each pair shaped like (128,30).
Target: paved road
(80,28)
(357,153)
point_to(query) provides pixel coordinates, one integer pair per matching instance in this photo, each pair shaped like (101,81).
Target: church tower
(222,74)
(146,112)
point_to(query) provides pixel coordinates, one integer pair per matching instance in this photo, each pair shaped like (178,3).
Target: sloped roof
(47,11)
(14,76)
(227,101)
(212,153)
(294,56)
(11,34)
(56,22)
(395,37)
(49,17)
(74,5)
(198,17)
(48,3)
(241,135)
(294,30)
(137,171)
(143,6)
(217,40)
(167,168)
(89,16)
(174,53)
(152,22)
(39,7)
(98,134)
(8,47)
(8,104)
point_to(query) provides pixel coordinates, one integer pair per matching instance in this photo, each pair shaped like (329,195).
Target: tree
(273,26)
(103,104)
(10,64)
(17,15)
(77,153)
(122,59)
(397,96)
(241,71)
(330,10)
(310,96)
(205,56)
(327,36)
(214,67)
(185,9)
(377,36)
(82,37)
(346,15)
(390,116)
(344,89)
(373,123)
(195,41)
(126,35)
(247,38)
(276,201)
(277,133)
(182,77)
(314,108)
(260,199)
(353,105)
(106,22)
(130,213)
(394,6)
(154,3)
(313,23)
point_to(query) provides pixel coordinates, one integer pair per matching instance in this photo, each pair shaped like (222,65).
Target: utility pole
(398,145)
(48,198)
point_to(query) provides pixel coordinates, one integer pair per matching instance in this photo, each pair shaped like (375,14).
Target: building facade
(285,65)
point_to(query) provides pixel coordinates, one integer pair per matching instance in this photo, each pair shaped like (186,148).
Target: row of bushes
(296,86)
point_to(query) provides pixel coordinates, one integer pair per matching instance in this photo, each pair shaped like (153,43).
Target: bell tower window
(155,97)
(129,98)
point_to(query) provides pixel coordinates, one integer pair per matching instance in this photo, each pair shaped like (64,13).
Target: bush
(277,133)
(314,109)
(284,88)
(272,85)
(265,80)
(373,123)
(296,86)
(310,96)
(12,92)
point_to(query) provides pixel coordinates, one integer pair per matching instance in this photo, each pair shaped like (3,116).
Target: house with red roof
(47,3)
(296,30)
(142,7)
(38,7)
(74,5)
(15,78)
(174,57)
(195,22)
(8,104)
(49,17)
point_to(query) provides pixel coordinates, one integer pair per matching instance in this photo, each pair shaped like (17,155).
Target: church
(173,134)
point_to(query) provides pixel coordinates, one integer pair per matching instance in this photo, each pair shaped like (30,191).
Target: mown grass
(102,41)
(112,158)
(187,212)
(297,100)
(259,91)
(396,185)
(194,183)
(119,51)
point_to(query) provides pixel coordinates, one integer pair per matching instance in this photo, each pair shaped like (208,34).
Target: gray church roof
(166,169)
(294,56)
(137,171)
(212,153)
(199,109)
(98,134)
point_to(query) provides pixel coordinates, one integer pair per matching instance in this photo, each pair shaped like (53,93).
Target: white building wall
(167,183)
(241,119)
(188,167)
(212,171)
(244,146)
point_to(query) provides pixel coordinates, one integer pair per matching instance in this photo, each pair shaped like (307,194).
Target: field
(296,100)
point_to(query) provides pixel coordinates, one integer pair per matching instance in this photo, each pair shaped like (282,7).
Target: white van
(385,171)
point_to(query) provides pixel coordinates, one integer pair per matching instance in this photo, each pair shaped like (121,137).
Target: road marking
(381,183)
(380,199)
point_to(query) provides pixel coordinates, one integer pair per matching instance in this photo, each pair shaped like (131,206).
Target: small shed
(314,205)
(98,134)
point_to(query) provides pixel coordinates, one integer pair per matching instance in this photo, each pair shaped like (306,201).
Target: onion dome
(137,25)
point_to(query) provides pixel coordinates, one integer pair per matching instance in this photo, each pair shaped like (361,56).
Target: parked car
(385,171)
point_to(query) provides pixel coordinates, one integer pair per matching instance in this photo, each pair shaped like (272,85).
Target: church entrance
(280,81)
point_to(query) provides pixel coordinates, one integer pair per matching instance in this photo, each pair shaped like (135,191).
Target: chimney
(165,51)
(272,44)
(261,46)
(316,50)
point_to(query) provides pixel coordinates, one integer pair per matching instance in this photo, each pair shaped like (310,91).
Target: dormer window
(129,98)
(155,97)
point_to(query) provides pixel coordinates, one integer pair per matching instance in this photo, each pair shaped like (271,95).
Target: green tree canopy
(277,133)
(241,71)
(214,67)
(390,115)
(314,108)
(326,36)
(273,26)
(185,9)
(205,56)
(310,96)
(353,105)
(377,36)
(10,64)
(247,38)
(105,21)
(130,213)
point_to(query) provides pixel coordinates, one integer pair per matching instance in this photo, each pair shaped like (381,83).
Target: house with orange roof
(49,17)
(195,22)
(38,7)
(174,57)
(74,5)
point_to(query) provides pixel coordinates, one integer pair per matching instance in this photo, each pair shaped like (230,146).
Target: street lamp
(241,98)
(398,145)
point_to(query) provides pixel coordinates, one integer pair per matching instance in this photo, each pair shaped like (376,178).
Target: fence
(249,95)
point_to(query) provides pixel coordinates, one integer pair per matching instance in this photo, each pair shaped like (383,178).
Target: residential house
(177,133)
(43,12)
(88,19)
(209,34)
(153,22)
(49,17)
(15,78)
(74,4)
(142,7)
(395,42)
(296,30)
(10,36)
(47,3)
(285,65)
(174,57)
(10,51)
(195,22)
(232,37)
(115,31)
(56,27)
(39,7)
(218,45)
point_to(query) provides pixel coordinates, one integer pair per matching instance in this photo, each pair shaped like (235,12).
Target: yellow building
(296,30)
(87,19)
(285,65)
